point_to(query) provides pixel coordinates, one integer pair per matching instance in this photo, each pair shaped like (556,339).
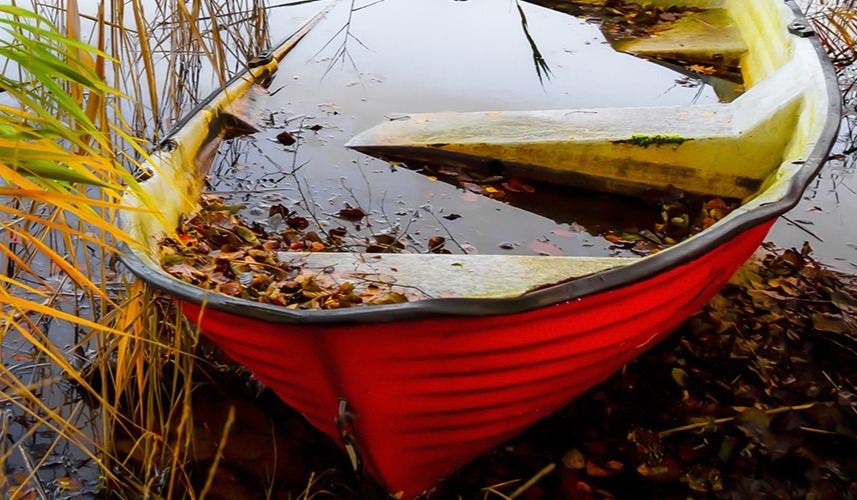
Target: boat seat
(721,149)
(710,38)
(441,275)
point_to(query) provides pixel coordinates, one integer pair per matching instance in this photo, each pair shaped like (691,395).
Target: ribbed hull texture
(429,395)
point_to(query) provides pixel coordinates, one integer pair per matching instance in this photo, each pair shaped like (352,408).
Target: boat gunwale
(574,289)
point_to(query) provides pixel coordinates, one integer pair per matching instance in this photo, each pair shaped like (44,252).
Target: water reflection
(369,60)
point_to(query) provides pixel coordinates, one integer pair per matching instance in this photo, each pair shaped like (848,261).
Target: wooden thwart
(708,38)
(472,276)
(719,150)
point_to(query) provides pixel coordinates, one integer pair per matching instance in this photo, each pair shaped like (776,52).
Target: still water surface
(362,66)
(425,55)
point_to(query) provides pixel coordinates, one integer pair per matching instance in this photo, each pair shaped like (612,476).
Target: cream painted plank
(473,276)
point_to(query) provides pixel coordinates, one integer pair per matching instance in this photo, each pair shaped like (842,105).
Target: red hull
(430,395)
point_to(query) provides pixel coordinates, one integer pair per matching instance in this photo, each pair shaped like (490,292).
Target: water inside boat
(364,66)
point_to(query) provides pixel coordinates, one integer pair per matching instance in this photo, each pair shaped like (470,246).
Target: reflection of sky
(477,49)
(425,55)
(828,207)
(473,56)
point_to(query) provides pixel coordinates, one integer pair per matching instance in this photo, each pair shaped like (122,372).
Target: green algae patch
(645,141)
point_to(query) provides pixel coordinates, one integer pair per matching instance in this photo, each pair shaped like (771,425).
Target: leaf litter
(622,20)
(216,249)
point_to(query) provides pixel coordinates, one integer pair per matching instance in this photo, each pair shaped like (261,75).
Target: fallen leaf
(352,214)
(827,322)
(705,70)
(545,248)
(68,483)
(286,138)
(573,459)
(563,233)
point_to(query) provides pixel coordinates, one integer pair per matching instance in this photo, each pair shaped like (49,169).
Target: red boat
(417,389)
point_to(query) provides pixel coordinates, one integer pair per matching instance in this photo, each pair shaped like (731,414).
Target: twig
(28,462)
(533,480)
(773,411)
(800,226)
(494,487)
(448,232)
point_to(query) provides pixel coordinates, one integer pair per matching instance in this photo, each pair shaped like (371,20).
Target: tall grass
(84,96)
(835,23)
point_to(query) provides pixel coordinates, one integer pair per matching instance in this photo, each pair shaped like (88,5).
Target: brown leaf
(278,209)
(388,298)
(352,214)
(183,270)
(573,459)
(827,322)
(844,301)
(299,223)
(435,244)
(232,288)
(286,138)
(596,471)
(614,465)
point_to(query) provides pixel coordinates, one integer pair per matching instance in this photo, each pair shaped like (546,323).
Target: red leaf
(517,185)
(298,223)
(353,214)
(545,248)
